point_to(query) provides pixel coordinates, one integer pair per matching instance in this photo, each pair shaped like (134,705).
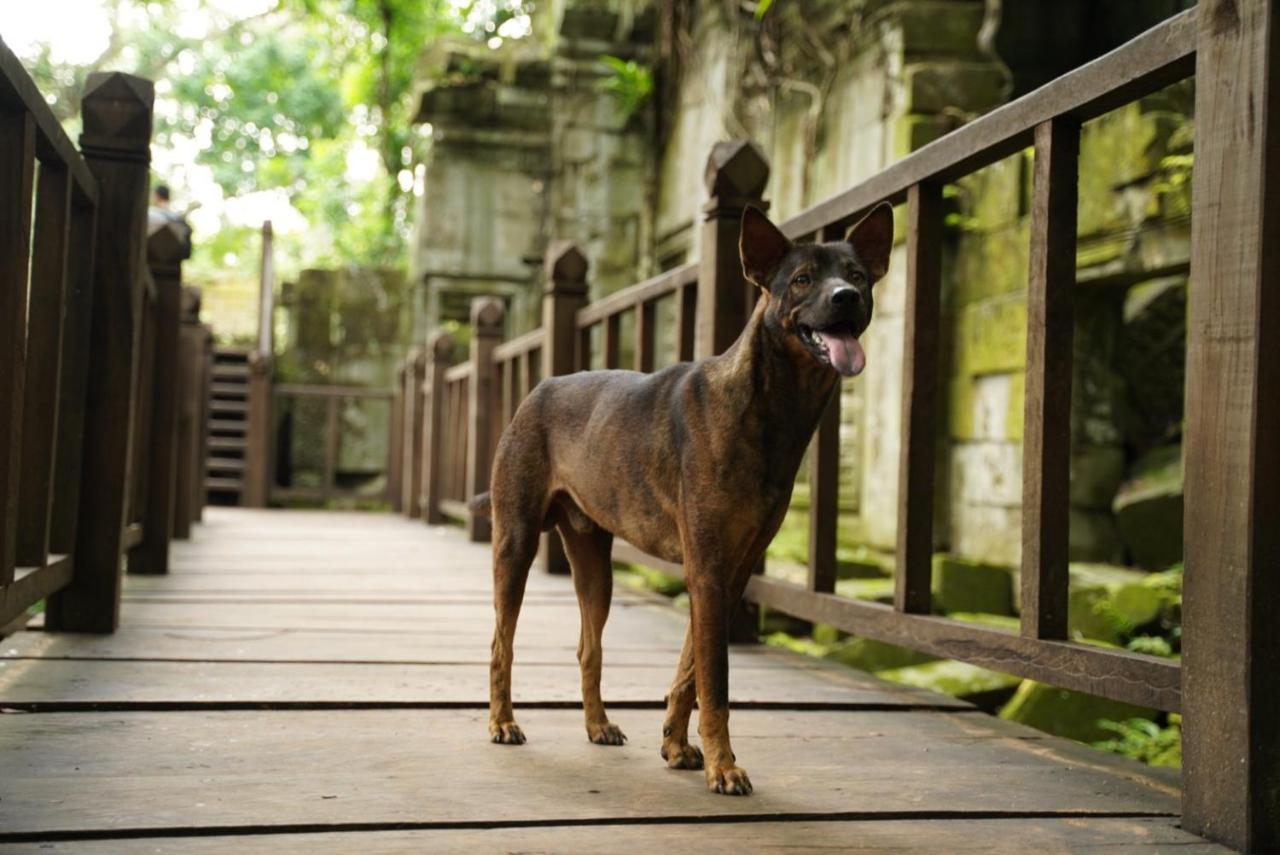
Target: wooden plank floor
(317,682)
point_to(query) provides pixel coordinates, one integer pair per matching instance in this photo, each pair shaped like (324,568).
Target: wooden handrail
(632,296)
(18,92)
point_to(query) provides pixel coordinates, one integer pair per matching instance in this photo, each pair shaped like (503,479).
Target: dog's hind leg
(515,543)
(676,749)
(589,556)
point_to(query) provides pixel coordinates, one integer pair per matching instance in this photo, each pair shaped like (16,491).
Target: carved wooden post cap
(167,246)
(737,169)
(487,315)
(117,110)
(440,346)
(566,268)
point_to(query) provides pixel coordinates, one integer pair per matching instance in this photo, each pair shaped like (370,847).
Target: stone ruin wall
(851,86)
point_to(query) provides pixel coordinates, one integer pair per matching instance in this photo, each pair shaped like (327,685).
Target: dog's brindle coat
(694,464)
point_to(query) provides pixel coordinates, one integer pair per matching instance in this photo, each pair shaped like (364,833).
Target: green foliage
(762,8)
(628,82)
(1147,741)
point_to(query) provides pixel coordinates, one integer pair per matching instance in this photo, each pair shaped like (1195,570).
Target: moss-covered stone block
(990,336)
(879,590)
(912,132)
(1107,602)
(986,688)
(934,87)
(961,585)
(933,27)
(991,264)
(1148,508)
(1096,472)
(1063,712)
(875,656)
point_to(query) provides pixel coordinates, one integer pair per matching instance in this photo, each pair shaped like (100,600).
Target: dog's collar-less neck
(775,373)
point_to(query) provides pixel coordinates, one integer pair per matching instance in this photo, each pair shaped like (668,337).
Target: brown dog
(694,464)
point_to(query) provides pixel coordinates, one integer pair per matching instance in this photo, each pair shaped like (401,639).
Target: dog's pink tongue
(846,352)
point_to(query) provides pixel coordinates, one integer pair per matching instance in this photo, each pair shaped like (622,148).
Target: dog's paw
(606,734)
(729,781)
(682,756)
(506,733)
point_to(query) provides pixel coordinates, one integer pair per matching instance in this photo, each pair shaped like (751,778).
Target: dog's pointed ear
(872,239)
(761,246)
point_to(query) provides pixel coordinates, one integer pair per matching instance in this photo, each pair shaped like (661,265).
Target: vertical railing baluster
(524,379)
(17,175)
(686,321)
(919,394)
(612,345)
(1046,443)
(646,335)
(45,310)
(73,385)
(824,498)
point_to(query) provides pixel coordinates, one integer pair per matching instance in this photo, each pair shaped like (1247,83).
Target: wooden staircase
(228,426)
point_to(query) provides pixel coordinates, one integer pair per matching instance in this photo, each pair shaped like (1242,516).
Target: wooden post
(266,295)
(203,396)
(1231,638)
(44,360)
(116,143)
(191,373)
(395,443)
(258,440)
(565,295)
(415,367)
(736,175)
(439,356)
(167,247)
(487,321)
(17,174)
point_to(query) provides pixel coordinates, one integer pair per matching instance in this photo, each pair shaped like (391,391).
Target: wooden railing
(88,380)
(1226,686)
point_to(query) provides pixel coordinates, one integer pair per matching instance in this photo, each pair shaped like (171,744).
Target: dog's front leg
(709,604)
(676,749)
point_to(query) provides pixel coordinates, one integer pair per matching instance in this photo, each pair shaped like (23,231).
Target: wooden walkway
(309,682)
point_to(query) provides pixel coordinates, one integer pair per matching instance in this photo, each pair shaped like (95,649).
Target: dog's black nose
(845,296)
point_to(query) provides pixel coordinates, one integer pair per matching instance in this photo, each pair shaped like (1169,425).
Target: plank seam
(21,707)
(482,825)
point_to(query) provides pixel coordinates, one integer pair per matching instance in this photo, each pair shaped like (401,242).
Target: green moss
(970,586)
(1062,712)
(648,578)
(990,337)
(958,679)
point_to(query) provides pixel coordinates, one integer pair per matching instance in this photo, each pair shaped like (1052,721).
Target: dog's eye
(802,279)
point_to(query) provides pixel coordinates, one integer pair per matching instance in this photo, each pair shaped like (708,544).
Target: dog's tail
(481,505)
